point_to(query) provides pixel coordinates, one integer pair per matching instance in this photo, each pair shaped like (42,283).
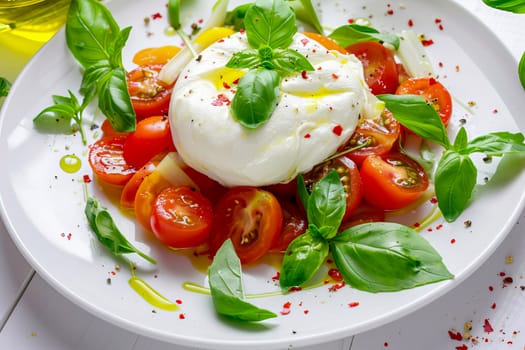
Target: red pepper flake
(307,136)
(86,179)
(410,23)
(508,280)
(225,85)
(417,224)
(338,130)
(304,74)
(319,68)
(437,21)
(353,304)
(495,111)
(69,235)
(439,227)
(62,234)
(336,287)
(462,347)
(221,101)
(242,31)
(277,276)
(440,64)
(305,41)
(156,15)
(430,229)
(351,20)
(427,42)
(491,289)
(335,274)
(306,312)
(452,241)
(440,27)
(286,308)
(432,81)
(390,12)
(295,289)
(182,316)
(385,344)
(455,335)
(220,40)
(200,21)
(433,200)
(178,301)
(487,327)
(335,76)
(493,306)
(502,274)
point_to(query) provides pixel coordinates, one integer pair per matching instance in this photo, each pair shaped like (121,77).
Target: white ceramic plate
(43,206)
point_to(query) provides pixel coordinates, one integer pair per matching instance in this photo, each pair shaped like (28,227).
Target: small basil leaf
(454,182)
(90,31)
(92,75)
(225,279)
(114,101)
(305,12)
(354,33)
(303,257)
(521,70)
(236,16)
(515,6)
(497,144)
(302,191)
(256,97)
(414,113)
(327,203)
(270,23)
(55,119)
(461,141)
(386,257)
(245,59)
(174,13)
(5,86)
(116,47)
(290,61)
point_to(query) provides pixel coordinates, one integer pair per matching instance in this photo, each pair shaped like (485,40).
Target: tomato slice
(294,224)
(349,175)
(147,191)
(152,136)
(373,136)
(392,181)
(325,41)
(286,190)
(181,217)
(433,92)
(155,55)
(129,192)
(106,158)
(379,66)
(108,131)
(149,95)
(251,217)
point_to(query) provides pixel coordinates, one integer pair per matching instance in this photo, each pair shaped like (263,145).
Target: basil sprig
(107,232)
(225,279)
(377,257)
(270,27)
(456,174)
(350,34)
(5,86)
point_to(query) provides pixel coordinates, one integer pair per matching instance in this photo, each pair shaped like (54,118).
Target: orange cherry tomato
(147,191)
(251,217)
(392,181)
(181,217)
(379,66)
(325,41)
(433,92)
(106,158)
(155,55)
(129,192)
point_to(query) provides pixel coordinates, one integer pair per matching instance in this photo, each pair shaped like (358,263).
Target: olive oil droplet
(70,163)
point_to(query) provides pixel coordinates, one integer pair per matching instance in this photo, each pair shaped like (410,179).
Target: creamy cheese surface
(317,112)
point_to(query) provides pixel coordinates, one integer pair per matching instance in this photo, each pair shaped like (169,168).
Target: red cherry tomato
(209,187)
(127,196)
(349,175)
(108,131)
(106,158)
(377,135)
(284,190)
(251,217)
(294,224)
(433,92)
(392,181)
(147,191)
(151,137)
(149,95)
(181,217)
(379,65)
(362,215)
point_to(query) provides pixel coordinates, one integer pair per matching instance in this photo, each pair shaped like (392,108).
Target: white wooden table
(34,316)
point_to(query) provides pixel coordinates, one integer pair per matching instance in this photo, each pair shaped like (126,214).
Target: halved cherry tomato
(251,217)
(379,66)
(108,131)
(127,196)
(377,135)
(325,41)
(106,158)
(294,224)
(149,95)
(392,181)
(284,190)
(181,217)
(433,92)
(210,188)
(152,136)
(155,55)
(349,175)
(148,190)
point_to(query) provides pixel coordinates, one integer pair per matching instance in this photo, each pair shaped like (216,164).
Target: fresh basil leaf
(305,12)
(236,16)
(256,97)
(117,46)
(302,191)
(496,144)
(270,23)
(414,113)
(92,76)
(461,141)
(114,101)
(107,233)
(174,13)
(90,31)
(5,86)
(515,6)
(327,203)
(225,279)
(354,33)
(454,182)
(290,61)
(386,257)
(303,257)
(521,70)
(245,59)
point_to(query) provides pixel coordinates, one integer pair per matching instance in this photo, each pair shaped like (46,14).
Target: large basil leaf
(354,33)
(114,100)
(386,257)
(496,144)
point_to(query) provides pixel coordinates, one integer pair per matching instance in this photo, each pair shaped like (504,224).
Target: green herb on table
(5,86)
(225,278)
(270,28)
(456,174)
(391,256)
(355,33)
(107,232)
